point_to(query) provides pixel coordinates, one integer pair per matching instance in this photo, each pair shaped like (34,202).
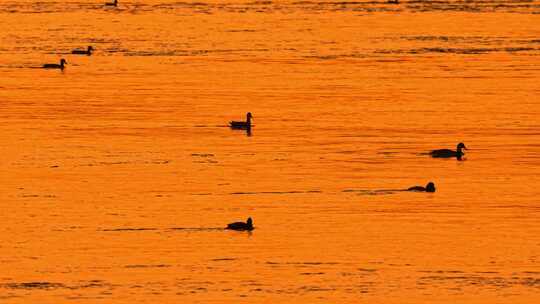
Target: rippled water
(119,173)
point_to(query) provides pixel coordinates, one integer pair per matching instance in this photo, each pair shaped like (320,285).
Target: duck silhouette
(55,66)
(447,153)
(430,187)
(243,125)
(83,52)
(115,3)
(241,226)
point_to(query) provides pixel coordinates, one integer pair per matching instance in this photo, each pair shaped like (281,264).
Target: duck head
(249,116)
(249,222)
(63,61)
(430,187)
(90,48)
(461,146)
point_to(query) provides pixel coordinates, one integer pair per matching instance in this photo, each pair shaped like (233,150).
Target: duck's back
(236,225)
(80,52)
(239,124)
(443,153)
(416,188)
(52,66)
(239,226)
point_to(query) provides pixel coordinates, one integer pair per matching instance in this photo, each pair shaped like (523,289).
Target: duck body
(242,124)
(430,187)
(447,153)
(441,153)
(83,52)
(55,66)
(241,226)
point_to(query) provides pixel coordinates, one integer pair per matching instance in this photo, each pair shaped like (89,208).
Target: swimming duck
(115,3)
(55,66)
(430,187)
(242,124)
(241,226)
(83,52)
(449,153)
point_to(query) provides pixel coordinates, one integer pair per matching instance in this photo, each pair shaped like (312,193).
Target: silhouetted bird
(241,226)
(393,2)
(83,52)
(55,66)
(115,3)
(242,124)
(430,187)
(445,153)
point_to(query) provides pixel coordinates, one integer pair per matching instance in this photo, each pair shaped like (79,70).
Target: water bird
(242,124)
(115,3)
(83,52)
(55,66)
(446,153)
(430,187)
(241,226)
(393,2)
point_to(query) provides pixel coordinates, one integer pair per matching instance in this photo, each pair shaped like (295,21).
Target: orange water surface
(119,173)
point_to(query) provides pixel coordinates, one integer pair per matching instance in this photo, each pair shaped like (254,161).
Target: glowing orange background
(104,162)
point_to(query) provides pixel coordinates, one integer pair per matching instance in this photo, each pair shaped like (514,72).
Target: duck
(430,187)
(115,3)
(83,52)
(446,153)
(241,226)
(55,66)
(242,124)
(393,2)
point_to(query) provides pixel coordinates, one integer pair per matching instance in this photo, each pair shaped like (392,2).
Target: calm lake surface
(118,173)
